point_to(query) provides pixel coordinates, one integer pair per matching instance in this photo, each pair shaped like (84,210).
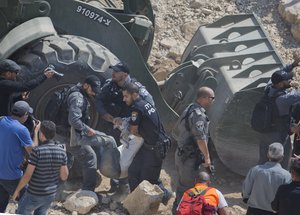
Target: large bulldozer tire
(74,56)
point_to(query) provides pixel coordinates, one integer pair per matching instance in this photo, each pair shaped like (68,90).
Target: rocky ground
(176,22)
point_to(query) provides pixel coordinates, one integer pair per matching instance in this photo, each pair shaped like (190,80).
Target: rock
(82,201)
(168,43)
(295,29)
(144,200)
(113,206)
(160,74)
(103,213)
(74,213)
(206,11)
(188,29)
(290,12)
(196,4)
(105,199)
(175,52)
(235,209)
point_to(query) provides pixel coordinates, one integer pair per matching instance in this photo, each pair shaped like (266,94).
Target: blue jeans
(38,204)
(7,189)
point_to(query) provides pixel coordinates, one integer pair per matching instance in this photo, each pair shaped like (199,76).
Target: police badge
(200,125)
(134,116)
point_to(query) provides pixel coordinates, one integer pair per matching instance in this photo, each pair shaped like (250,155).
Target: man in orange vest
(212,196)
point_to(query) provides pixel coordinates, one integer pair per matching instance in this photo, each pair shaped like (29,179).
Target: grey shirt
(76,105)
(198,124)
(261,184)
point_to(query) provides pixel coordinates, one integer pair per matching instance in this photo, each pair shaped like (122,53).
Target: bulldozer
(233,56)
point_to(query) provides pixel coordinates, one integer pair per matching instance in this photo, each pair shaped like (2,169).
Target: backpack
(196,205)
(265,113)
(57,108)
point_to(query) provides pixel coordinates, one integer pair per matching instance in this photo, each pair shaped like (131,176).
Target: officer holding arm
(9,84)
(112,108)
(191,134)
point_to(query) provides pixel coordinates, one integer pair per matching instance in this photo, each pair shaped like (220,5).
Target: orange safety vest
(211,196)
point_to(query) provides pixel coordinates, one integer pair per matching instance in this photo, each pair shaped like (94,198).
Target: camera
(51,67)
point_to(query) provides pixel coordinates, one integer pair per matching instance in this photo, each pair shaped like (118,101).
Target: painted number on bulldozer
(93,15)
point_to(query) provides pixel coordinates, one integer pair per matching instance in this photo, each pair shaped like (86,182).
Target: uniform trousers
(145,166)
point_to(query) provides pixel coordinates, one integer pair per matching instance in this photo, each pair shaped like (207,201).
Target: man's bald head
(204,92)
(205,96)
(203,177)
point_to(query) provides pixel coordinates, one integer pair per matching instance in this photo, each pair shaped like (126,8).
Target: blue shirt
(13,138)
(261,184)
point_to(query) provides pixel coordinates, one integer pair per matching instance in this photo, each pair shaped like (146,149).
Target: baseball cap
(21,107)
(7,65)
(95,83)
(120,67)
(275,151)
(281,75)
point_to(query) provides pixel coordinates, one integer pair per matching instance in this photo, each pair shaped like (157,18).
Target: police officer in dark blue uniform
(144,122)
(112,108)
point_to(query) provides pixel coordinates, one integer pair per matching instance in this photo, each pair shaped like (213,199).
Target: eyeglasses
(211,97)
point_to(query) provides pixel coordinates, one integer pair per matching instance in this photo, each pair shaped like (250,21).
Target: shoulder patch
(200,125)
(134,115)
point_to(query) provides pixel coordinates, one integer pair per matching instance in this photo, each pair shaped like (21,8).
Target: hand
(295,129)
(207,163)
(296,157)
(37,125)
(16,195)
(91,132)
(49,73)
(117,121)
(25,95)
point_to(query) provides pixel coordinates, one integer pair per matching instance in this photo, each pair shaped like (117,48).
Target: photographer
(14,140)
(47,161)
(9,83)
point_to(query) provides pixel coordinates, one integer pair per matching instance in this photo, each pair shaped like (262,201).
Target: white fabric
(222,201)
(130,146)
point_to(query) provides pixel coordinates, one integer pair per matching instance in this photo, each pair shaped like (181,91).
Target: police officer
(9,84)
(191,134)
(78,118)
(111,107)
(144,122)
(278,87)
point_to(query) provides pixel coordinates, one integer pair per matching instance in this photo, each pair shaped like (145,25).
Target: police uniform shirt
(110,100)
(145,116)
(78,109)
(198,124)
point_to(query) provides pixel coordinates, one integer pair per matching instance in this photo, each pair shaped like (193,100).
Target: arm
(134,122)
(19,86)
(24,180)
(248,184)
(202,145)
(75,103)
(275,202)
(63,172)
(35,138)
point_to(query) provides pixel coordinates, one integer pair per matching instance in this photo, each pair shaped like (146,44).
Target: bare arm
(35,138)
(202,144)
(24,180)
(107,117)
(64,172)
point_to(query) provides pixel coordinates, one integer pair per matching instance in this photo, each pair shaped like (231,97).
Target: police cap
(120,67)
(7,65)
(95,83)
